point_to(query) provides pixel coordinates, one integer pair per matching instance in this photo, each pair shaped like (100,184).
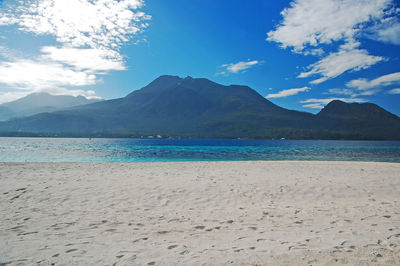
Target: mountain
(188,107)
(361,111)
(38,103)
(360,118)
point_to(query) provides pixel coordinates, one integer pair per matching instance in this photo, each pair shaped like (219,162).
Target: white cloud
(347,58)
(314,105)
(91,59)
(23,77)
(388,31)
(394,91)
(239,66)
(365,87)
(79,23)
(390,34)
(341,91)
(313,22)
(28,75)
(5,52)
(315,52)
(320,103)
(289,92)
(309,26)
(90,34)
(365,84)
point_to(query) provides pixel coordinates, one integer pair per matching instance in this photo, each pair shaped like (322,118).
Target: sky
(299,54)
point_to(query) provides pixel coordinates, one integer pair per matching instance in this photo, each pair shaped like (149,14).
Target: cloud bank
(286,93)
(239,67)
(89,35)
(394,91)
(309,26)
(368,87)
(347,58)
(101,24)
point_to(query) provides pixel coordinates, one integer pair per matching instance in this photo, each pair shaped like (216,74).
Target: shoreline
(141,137)
(198,161)
(202,212)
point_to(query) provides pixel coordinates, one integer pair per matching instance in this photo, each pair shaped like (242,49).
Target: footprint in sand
(143,238)
(200,227)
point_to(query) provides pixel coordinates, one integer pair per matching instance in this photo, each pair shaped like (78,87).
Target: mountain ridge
(40,102)
(199,108)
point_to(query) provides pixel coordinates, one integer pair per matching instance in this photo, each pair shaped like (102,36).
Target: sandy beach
(200,213)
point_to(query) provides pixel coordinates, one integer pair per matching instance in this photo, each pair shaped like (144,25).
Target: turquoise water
(162,150)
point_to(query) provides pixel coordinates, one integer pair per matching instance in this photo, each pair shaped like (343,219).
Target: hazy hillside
(38,103)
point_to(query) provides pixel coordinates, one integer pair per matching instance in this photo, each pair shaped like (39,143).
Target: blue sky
(298,54)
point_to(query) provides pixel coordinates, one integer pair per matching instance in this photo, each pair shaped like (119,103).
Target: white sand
(195,213)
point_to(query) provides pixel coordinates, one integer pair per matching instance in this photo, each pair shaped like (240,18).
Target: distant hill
(186,107)
(38,103)
(360,119)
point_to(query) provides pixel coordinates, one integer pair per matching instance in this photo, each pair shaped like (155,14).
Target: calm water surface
(161,150)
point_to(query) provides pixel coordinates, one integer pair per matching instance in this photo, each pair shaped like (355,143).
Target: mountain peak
(165,82)
(159,84)
(336,102)
(166,77)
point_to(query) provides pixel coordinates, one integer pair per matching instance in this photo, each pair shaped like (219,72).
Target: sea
(173,150)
